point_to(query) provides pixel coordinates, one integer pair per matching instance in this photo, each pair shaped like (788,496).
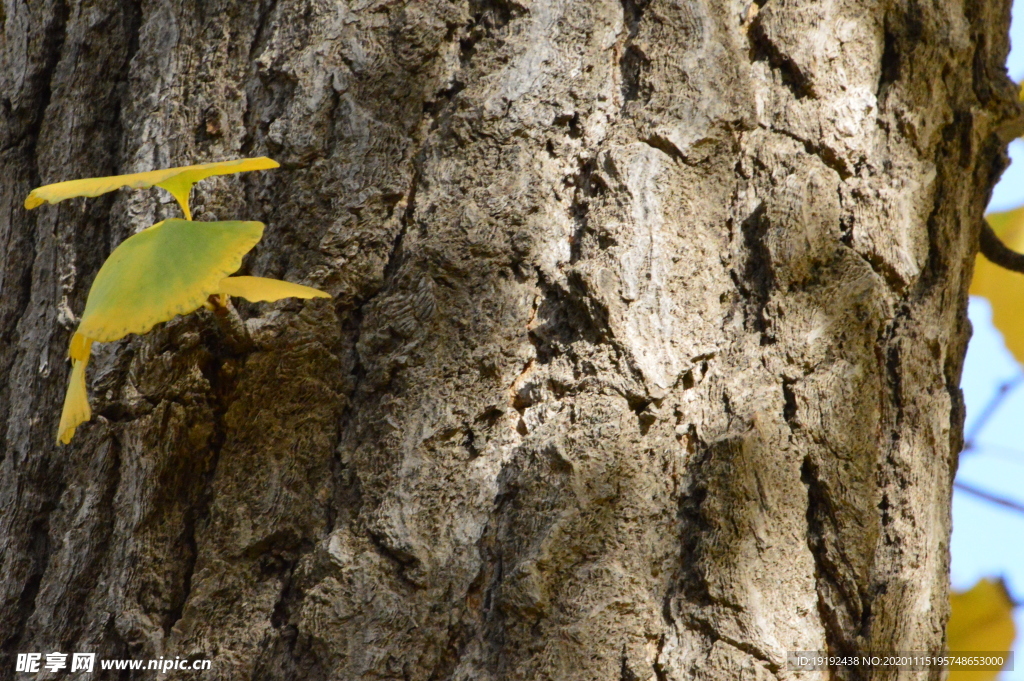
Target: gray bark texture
(642,364)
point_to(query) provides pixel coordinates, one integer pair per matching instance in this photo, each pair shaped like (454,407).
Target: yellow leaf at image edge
(1004,289)
(981,619)
(178,181)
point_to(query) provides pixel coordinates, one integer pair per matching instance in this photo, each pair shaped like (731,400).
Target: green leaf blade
(164,271)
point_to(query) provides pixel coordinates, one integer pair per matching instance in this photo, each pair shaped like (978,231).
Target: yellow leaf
(1004,289)
(80,347)
(178,181)
(981,620)
(76,401)
(261,289)
(166,270)
(169,269)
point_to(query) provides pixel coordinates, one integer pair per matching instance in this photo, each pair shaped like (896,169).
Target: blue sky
(987,539)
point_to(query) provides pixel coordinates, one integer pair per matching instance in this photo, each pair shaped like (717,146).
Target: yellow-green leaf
(1004,289)
(76,402)
(169,269)
(981,620)
(261,289)
(172,268)
(178,181)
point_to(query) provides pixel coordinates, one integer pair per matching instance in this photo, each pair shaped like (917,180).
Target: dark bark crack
(827,155)
(266,9)
(890,71)
(633,62)
(659,669)
(625,673)
(40,552)
(489,17)
(756,281)
(586,185)
(54,35)
(408,219)
(707,629)
(665,146)
(221,392)
(762,48)
(843,610)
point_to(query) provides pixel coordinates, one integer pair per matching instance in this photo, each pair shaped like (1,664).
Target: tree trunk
(643,359)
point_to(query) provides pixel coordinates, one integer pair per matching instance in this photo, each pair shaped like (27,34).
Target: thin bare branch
(1013,455)
(990,409)
(1011,504)
(998,252)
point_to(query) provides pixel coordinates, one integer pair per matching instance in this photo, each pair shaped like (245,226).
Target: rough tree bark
(643,361)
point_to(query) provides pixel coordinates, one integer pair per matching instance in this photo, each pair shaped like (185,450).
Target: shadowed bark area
(642,362)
